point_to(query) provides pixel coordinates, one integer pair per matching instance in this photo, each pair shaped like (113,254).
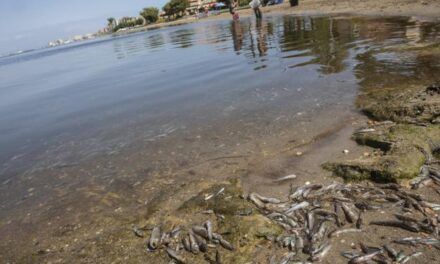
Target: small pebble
(307,183)
(345,151)
(299,153)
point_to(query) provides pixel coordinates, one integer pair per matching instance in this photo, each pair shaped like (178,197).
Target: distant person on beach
(255,5)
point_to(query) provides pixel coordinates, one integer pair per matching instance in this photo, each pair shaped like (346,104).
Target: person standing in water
(255,5)
(232,6)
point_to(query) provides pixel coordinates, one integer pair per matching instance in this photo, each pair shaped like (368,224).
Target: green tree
(175,8)
(111,20)
(151,14)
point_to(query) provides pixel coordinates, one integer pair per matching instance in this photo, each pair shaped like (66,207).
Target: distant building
(196,6)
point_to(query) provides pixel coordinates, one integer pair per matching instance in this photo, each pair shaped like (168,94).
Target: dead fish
(154,238)
(404,225)
(186,243)
(364,258)
(365,130)
(329,214)
(323,251)
(266,199)
(203,246)
(165,239)
(349,214)
(433,206)
(417,240)
(300,191)
(288,177)
(222,190)
(407,258)
(359,221)
(209,196)
(223,242)
(319,234)
(256,201)
(392,253)
(367,249)
(173,254)
(175,232)
(343,231)
(299,245)
(297,206)
(406,218)
(350,254)
(390,186)
(310,220)
(421,182)
(201,231)
(137,232)
(193,242)
(208,226)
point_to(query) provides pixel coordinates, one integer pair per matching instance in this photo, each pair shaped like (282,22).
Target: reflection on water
(175,97)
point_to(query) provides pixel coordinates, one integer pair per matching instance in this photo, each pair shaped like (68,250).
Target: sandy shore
(425,8)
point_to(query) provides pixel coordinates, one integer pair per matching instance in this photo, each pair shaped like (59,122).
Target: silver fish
(201,231)
(193,242)
(137,231)
(349,214)
(186,243)
(343,231)
(413,227)
(364,258)
(154,238)
(288,177)
(297,206)
(223,242)
(208,226)
(417,240)
(203,246)
(392,253)
(407,258)
(266,199)
(303,189)
(174,255)
(318,256)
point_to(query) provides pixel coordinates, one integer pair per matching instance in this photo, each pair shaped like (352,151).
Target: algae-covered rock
(405,149)
(412,104)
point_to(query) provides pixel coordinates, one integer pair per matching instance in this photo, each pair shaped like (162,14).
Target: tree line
(173,9)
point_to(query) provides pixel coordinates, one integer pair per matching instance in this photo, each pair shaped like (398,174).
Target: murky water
(83,127)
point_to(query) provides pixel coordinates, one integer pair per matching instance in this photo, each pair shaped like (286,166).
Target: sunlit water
(227,82)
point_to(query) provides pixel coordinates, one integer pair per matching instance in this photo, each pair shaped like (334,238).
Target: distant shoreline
(427,9)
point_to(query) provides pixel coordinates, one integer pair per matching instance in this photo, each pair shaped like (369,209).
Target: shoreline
(429,10)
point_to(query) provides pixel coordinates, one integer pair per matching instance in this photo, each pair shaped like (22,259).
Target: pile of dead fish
(199,238)
(314,214)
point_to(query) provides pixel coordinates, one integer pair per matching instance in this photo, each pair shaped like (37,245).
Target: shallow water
(109,115)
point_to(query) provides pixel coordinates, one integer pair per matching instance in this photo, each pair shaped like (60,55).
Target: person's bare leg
(258,13)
